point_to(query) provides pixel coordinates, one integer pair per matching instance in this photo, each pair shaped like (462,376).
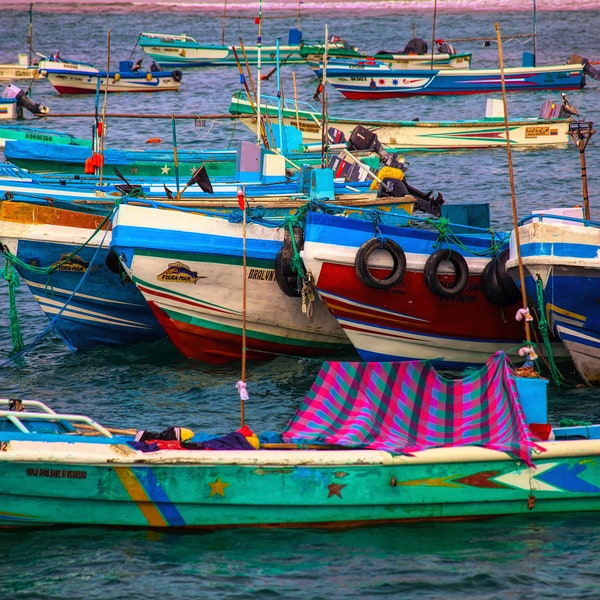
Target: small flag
(240,196)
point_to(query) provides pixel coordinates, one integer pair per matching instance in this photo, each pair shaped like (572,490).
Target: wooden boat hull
(88,303)
(22,134)
(422,135)
(190,269)
(181,51)
(561,256)
(377,84)
(66,83)
(87,482)
(20,71)
(410,320)
(42,153)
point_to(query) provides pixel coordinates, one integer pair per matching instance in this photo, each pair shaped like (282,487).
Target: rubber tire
(461,270)
(362,259)
(497,285)
(286,279)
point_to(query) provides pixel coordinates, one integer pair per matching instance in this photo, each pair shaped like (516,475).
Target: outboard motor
(587,67)
(34,108)
(24,101)
(362,138)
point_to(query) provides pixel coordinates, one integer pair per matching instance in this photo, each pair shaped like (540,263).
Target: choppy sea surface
(151,386)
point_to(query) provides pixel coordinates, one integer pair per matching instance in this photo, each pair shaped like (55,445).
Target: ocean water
(150,386)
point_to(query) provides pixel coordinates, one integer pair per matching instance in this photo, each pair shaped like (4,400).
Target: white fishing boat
(549,128)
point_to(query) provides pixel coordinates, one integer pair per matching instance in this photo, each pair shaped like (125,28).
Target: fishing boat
(189,266)
(549,129)
(415,55)
(61,256)
(374,82)
(27,133)
(176,51)
(73,77)
(19,71)
(427,291)
(559,253)
(46,154)
(351,455)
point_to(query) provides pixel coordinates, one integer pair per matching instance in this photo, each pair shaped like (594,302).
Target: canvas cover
(404,407)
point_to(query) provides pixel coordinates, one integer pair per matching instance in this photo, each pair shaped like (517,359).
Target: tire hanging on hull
(361,264)
(431,273)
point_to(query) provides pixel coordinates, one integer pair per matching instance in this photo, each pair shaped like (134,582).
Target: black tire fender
(431,269)
(361,264)
(497,285)
(285,277)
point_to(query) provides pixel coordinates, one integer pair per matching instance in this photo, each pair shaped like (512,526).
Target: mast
(223,23)
(524,310)
(258,65)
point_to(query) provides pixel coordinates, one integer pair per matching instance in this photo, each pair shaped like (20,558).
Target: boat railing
(168,37)
(42,412)
(558,217)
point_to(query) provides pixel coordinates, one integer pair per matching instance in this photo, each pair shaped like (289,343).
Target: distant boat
(21,70)
(551,128)
(374,82)
(72,77)
(24,133)
(414,56)
(170,50)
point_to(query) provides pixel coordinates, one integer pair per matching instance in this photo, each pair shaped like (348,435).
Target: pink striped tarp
(404,407)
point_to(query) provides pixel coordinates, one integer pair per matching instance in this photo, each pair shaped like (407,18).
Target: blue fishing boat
(359,81)
(560,256)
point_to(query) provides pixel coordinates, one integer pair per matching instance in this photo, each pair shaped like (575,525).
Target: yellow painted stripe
(138,494)
(565,313)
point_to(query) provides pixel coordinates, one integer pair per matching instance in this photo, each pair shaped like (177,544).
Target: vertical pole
(512,186)
(258,65)
(279,99)
(324,145)
(433,31)
(581,137)
(223,23)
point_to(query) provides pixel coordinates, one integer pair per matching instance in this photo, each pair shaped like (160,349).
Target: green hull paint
(292,488)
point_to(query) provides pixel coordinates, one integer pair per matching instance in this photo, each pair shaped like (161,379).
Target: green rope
(10,274)
(544,329)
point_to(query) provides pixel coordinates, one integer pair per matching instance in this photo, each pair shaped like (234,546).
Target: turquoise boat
(372,443)
(24,133)
(44,154)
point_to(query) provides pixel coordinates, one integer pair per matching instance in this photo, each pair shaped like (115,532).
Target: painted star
(218,487)
(165,170)
(335,489)
(134,170)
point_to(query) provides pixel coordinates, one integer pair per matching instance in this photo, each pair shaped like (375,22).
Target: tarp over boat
(405,407)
